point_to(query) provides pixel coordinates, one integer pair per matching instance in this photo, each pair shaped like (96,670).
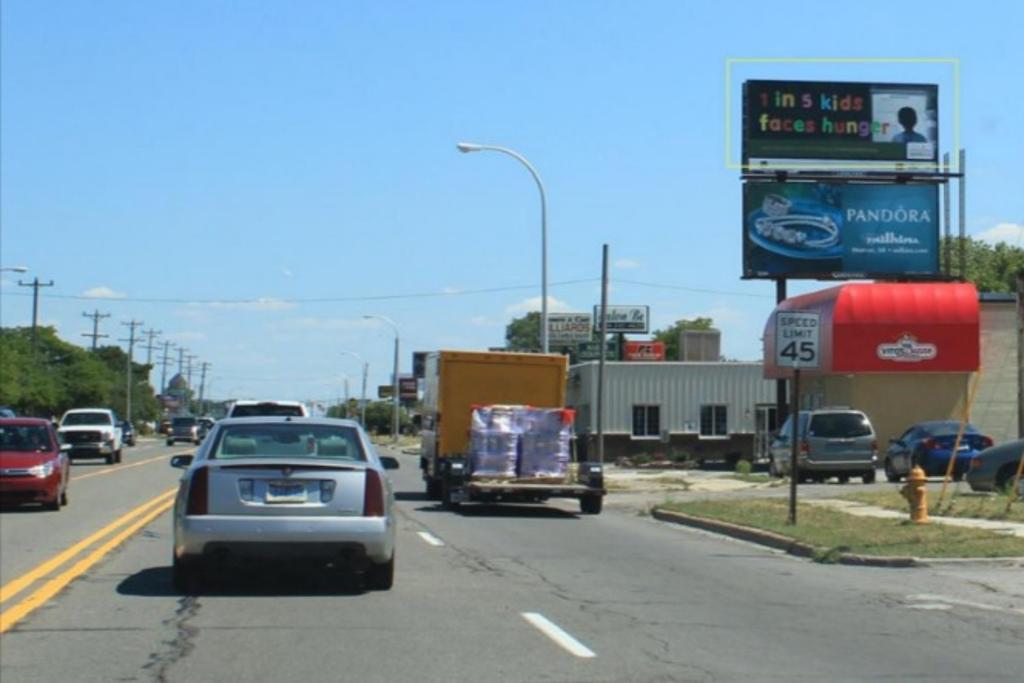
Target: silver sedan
(285,488)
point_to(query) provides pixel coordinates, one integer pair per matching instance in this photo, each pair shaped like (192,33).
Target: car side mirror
(181,461)
(389,462)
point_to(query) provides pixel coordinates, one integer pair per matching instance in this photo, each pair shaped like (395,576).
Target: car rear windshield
(74,419)
(839,425)
(267,410)
(25,438)
(184,421)
(288,441)
(948,429)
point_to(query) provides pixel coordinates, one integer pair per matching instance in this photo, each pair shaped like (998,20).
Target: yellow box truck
(458,381)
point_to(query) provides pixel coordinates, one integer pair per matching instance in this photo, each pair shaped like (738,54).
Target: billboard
(840,231)
(570,327)
(624,319)
(868,122)
(588,351)
(645,350)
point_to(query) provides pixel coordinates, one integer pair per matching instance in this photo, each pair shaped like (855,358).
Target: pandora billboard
(840,230)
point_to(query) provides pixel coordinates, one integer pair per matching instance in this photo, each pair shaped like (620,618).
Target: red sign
(641,350)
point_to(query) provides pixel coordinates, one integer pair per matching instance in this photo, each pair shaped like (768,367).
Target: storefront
(902,353)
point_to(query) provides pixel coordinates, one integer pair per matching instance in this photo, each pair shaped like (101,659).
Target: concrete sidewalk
(862,510)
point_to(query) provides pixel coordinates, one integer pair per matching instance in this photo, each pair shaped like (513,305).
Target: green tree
(523,334)
(379,416)
(670,335)
(992,268)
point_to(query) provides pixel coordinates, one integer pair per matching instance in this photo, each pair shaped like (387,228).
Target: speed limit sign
(796,339)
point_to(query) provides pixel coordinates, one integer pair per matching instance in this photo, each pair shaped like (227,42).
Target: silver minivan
(834,442)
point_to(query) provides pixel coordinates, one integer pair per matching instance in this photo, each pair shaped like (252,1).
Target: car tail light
(986,442)
(930,444)
(373,495)
(199,492)
(976,463)
(805,447)
(874,446)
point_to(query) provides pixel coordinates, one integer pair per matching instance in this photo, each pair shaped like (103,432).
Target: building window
(714,421)
(646,421)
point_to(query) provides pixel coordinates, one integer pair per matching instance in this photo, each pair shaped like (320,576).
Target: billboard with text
(866,122)
(840,230)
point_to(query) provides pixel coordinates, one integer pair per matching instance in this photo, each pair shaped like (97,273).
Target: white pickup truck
(92,433)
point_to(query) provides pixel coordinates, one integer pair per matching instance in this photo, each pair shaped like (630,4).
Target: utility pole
(181,359)
(96,315)
(202,384)
(35,285)
(150,333)
(164,361)
(128,369)
(188,373)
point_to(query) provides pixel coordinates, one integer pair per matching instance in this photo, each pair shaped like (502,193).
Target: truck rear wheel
(591,505)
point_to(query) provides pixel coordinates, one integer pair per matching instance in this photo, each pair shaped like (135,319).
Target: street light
(466,147)
(366,371)
(394,395)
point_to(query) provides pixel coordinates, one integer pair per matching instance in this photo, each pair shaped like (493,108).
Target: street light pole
(366,371)
(394,390)
(473,147)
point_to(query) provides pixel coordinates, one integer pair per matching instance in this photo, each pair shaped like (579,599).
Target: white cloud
(1009,233)
(485,321)
(261,304)
(451,290)
(287,272)
(533,304)
(332,324)
(182,337)
(103,292)
(627,264)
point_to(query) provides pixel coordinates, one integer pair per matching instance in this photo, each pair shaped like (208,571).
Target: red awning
(888,327)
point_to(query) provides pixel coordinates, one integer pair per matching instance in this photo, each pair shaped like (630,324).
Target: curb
(784,543)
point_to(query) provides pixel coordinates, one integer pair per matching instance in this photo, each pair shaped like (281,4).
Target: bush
(743,467)
(679,456)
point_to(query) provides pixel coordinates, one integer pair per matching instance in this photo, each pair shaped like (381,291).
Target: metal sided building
(708,410)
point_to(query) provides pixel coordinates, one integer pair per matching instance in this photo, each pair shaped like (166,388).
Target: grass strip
(977,505)
(835,532)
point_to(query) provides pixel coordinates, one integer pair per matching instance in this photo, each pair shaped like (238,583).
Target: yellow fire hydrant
(916,493)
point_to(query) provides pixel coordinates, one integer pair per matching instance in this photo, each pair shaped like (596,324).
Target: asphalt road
(519,593)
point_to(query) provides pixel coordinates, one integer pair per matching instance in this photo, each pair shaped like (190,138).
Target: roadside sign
(408,387)
(627,319)
(648,350)
(796,339)
(385,390)
(588,351)
(570,327)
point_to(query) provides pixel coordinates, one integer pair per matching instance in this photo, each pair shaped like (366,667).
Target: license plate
(286,492)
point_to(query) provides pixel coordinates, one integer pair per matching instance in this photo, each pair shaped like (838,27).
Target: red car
(34,468)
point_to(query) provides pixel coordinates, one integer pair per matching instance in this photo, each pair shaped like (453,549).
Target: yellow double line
(121,529)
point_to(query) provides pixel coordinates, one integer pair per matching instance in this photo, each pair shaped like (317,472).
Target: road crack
(183,642)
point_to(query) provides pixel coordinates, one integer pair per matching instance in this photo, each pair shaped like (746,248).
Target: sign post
(796,346)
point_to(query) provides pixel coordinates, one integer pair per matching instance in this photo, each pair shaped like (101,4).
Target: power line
(131,325)
(164,360)
(95,316)
(150,333)
(698,290)
(35,285)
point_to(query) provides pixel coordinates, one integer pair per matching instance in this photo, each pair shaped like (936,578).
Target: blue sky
(250,177)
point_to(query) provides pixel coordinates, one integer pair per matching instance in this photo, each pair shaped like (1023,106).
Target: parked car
(249,408)
(34,466)
(92,433)
(930,445)
(127,433)
(6,412)
(833,442)
(282,489)
(184,428)
(994,468)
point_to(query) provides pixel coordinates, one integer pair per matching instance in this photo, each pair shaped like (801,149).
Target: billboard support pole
(963,215)
(602,337)
(781,410)
(947,251)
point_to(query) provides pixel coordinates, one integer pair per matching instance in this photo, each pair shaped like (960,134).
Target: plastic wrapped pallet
(494,441)
(545,442)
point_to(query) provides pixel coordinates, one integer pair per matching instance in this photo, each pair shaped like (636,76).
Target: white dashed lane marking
(555,633)
(430,538)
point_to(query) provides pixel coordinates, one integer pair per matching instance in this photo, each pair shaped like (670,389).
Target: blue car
(930,444)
